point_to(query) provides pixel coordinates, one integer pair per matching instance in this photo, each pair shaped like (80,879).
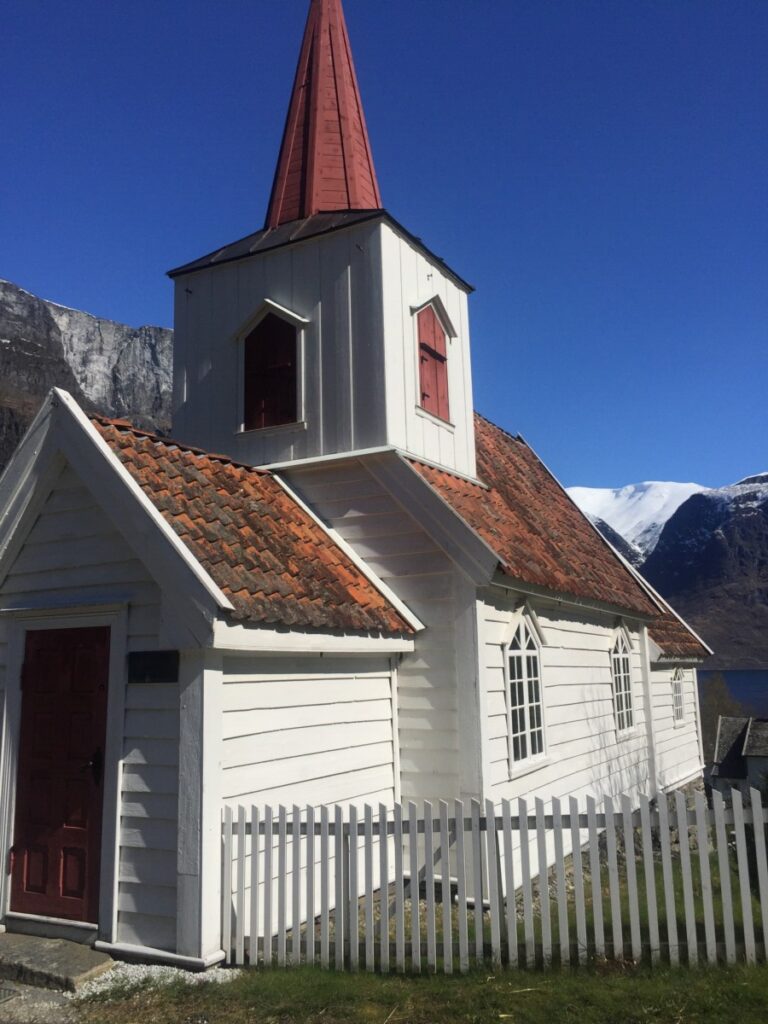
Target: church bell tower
(332,330)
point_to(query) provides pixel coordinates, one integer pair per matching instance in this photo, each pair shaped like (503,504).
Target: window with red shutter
(433,365)
(270,374)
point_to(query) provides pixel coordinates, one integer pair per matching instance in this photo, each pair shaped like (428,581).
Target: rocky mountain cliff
(711,563)
(108,367)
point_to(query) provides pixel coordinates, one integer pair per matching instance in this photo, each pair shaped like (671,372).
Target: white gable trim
(446,527)
(107,461)
(386,592)
(268,306)
(442,314)
(525,610)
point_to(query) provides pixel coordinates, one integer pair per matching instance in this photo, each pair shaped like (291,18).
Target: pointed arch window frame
(240,336)
(678,697)
(524,618)
(622,682)
(442,413)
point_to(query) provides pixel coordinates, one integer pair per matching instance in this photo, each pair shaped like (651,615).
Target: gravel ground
(125,975)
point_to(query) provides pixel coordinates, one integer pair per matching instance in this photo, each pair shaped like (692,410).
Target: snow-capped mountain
(637,512)
(711,563)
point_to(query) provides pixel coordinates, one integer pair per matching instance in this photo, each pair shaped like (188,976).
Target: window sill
(679,723)
(281,428)
(434,419)
(527,767)
(627,734)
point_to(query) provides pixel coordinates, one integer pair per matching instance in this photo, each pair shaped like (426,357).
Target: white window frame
(678,697)
(300,324)
(526,625)
(622,689)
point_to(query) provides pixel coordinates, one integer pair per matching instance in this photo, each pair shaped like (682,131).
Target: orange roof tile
(675,639)
(270,558)
(542,538)
(538,533)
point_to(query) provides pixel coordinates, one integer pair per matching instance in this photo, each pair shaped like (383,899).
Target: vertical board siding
(72,552)
(379,912)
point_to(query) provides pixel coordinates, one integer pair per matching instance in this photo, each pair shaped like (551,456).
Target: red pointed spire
(325,158)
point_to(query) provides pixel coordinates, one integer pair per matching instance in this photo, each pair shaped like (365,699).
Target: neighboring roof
(272,560)
(302,230)
(756,740)
(325,160)
(538,533)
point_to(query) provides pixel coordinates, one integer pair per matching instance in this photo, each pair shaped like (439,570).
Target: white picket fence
(462,887)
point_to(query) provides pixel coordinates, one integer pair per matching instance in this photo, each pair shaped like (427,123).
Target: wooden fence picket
(562,895)
(758,824)
(702,838)
(461,888)
(240,898)
(413,853)
(578,881)
(724,872)
(544,905)
(743,866)
(509,881)
(275,919)
(445,888)
(596,884)
(649,869)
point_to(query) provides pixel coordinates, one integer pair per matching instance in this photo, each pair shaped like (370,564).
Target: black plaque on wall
(153,667)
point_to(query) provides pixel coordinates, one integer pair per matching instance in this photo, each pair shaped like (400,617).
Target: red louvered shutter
(433,365)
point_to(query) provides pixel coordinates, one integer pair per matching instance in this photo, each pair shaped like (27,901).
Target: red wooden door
(57,836)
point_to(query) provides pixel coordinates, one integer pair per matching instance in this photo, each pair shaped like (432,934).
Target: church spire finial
(325,160)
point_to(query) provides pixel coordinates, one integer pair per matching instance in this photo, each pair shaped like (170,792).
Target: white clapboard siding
(677,742)
(582,753)
(302,726)
(368,518)
(326,871)
(148,837)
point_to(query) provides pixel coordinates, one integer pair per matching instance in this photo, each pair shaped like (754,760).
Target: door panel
(59,789)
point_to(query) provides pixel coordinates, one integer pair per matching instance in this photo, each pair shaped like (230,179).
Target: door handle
(95,766)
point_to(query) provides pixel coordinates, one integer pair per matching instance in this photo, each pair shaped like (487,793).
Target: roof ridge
(502,430)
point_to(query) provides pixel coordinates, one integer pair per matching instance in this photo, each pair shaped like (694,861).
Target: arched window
(433,365)
(678,706)
(270,374)
(622,683)
(524,704)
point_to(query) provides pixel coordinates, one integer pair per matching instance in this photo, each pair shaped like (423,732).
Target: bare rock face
(107,367)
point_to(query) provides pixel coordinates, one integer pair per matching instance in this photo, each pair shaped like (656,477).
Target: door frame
(19,621)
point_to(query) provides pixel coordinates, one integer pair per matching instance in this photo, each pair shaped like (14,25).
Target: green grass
(595,995)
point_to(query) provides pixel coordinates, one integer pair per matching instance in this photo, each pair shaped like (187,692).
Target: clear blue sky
(598,170)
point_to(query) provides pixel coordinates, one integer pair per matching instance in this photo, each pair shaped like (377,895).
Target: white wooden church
(337,583)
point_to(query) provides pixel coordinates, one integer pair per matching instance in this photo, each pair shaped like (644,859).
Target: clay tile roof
(540,536)
(675,639)
(270,558)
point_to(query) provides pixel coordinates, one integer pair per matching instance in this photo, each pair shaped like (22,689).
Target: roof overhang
(304,230)
(62,434)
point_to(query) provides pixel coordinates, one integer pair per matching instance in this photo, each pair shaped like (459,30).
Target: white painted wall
(437,682)
(360,363)
(73,555)
(584,755)
(677,743)
(307,731)
(410,280)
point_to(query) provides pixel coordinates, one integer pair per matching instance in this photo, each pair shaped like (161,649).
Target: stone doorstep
(49,963)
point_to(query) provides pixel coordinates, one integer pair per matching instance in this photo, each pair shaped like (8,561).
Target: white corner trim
(113,463)
(356,560)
